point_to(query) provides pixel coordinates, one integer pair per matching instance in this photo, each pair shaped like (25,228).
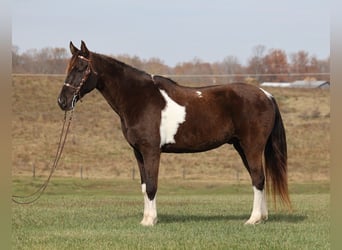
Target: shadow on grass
(290,218)
(175,218)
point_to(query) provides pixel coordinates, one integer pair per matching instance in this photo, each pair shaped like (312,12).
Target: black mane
(111,61)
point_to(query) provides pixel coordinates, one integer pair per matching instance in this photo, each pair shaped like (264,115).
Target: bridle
(62,139)
(88,71)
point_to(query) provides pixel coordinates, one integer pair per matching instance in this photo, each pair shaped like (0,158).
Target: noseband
(88,71)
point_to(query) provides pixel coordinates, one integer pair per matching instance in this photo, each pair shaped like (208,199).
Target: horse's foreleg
(149,188)
(140,161)
(150,209)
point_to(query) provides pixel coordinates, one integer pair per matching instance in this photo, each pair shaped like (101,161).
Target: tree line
(272,65)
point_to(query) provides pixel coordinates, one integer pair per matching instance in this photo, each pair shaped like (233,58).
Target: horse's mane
(108,61)
(112,61)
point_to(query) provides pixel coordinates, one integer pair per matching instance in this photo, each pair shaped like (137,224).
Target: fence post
(133,173)
(238,176)
(81,172)
(33,171)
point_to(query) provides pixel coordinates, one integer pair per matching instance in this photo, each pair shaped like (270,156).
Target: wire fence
(96,147)
(213,79)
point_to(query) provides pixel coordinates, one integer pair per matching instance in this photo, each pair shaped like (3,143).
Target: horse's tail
(276,160)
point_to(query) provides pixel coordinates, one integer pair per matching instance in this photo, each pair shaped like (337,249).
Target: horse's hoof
(256,220)
(149,221)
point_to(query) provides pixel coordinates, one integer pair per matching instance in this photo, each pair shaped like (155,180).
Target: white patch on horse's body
(270,96)
(199,94)
(171,117)
(259,212)
(150,209)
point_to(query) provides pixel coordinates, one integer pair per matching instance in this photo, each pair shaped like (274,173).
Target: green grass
(105,214)
(203,199)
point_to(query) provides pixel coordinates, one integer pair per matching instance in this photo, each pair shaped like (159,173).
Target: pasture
(203,199)
(105,214)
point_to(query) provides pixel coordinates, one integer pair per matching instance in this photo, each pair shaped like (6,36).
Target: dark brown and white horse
(158,115)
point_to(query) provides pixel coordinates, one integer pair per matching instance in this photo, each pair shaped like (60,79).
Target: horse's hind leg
(252,160)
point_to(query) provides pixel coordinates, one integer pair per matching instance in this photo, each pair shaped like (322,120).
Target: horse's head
(81,77)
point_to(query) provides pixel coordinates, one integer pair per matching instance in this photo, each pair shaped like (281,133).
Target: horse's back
(214,115)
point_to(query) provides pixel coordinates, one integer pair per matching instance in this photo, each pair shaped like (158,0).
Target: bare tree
(44,61)
(300,62)
(255,64)
(156,66)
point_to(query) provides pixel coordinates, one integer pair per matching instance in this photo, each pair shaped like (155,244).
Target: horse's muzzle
(63,103)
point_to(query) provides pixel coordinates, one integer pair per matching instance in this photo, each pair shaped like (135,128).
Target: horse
(160,116)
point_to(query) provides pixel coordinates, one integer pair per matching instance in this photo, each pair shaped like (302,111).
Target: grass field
(203,199)
(105,214)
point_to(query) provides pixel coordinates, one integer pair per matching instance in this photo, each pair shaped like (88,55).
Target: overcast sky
(174,31)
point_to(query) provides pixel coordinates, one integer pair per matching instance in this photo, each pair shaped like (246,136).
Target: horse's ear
(84,49)
(73,49)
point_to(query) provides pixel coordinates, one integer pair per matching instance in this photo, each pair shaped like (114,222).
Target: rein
(62,138)
(37,194)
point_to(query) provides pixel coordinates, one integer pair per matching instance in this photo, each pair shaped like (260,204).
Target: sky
(174,31)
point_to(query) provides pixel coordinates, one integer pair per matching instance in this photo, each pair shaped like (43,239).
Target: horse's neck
(115,83)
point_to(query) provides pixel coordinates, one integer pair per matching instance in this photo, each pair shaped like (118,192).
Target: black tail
(276,160)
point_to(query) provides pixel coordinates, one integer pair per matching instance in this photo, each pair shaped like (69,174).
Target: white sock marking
(259,212)
(171,117)
(150,211)
(257,201)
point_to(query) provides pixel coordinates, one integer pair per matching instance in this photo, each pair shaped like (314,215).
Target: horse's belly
(191,148)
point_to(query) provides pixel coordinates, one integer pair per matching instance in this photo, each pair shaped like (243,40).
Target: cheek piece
(83,80)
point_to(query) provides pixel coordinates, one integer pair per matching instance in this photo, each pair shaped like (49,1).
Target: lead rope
(38,193)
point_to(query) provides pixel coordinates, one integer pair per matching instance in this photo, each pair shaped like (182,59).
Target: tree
(16,60)
(155,66)
(320,66)
(300,62)
(231,66)
(255,63)
(194,67)
(276,66)
(44,61)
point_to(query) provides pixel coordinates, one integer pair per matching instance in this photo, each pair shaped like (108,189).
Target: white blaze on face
(267,93)
(171,117)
